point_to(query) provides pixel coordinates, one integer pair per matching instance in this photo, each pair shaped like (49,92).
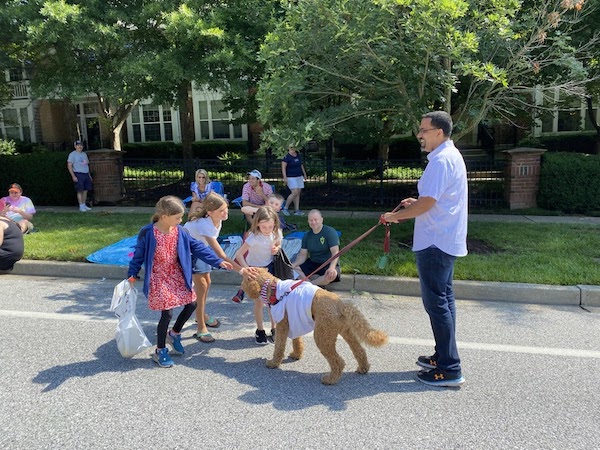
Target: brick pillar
(106,167)
(522,177)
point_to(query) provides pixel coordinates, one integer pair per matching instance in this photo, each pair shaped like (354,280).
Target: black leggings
(165,319)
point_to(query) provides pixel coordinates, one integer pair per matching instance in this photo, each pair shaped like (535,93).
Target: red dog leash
(386,247)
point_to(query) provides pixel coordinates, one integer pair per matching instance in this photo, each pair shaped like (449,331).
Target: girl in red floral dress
(165,249)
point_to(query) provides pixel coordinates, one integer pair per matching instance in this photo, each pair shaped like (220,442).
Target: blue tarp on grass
(121,252)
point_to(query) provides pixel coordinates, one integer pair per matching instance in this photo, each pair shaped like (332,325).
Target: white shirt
(259,253)
(445,224)
(297,304)
(202,228)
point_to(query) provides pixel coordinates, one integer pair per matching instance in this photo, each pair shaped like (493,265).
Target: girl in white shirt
(263,241)
(205,225)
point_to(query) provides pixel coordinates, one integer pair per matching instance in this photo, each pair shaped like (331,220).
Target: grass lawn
(561,254)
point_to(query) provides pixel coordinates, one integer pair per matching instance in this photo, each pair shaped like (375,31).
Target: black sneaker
(261,337)
(428,362)
(271,337)
(436,377)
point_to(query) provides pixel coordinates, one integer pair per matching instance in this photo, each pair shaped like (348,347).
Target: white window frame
(539,100)
(209,96)
(140,108)
(19,106)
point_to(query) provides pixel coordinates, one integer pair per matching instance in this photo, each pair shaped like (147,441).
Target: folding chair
(217,188)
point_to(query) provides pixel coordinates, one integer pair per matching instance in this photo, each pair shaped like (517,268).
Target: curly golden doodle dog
(309,307)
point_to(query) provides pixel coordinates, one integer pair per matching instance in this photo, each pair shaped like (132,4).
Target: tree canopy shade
(122,51)
(588,32)
(340,66)
(213,44)
(9,52)
(89,48)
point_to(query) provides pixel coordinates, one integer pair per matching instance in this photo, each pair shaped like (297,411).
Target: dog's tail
(361,328)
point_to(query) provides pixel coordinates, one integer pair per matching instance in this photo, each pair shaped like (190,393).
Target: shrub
(214,149)
(43,176)
(580,142)
(570,183)
(171,150)
(8,147)
(229,159)
(152,150)
(401,148)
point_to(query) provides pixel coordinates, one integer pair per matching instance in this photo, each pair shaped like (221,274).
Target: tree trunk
(186,118)
(184,95)
(383,152)
(117,121)
(592,116)
(116,136)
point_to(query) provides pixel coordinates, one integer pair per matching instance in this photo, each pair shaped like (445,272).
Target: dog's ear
(251,287)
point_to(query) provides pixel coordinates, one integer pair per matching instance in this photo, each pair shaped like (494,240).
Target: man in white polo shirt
(440,235)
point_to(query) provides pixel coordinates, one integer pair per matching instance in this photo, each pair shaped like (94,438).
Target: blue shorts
(201,267)
(83,183)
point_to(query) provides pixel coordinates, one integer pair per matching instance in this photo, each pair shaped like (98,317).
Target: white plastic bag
(130,335)
(122,299)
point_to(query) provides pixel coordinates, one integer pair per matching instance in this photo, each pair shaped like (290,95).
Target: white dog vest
(297,304)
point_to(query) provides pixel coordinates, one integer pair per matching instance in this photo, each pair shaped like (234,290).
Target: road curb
(590,295)
(581,295)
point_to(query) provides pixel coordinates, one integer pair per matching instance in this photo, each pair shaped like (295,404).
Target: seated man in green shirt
(318,245)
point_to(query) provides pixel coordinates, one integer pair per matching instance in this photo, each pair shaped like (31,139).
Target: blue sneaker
(437,377)
(162,358)
(175,341)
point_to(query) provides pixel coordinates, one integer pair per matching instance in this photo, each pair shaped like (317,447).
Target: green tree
(588,33)
(330,63)
(185,42)
(88,48)
(212,44)
(10,52)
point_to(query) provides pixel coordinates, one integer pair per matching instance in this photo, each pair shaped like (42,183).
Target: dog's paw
(272,364)
(329,380)
(295,356)
(363,369)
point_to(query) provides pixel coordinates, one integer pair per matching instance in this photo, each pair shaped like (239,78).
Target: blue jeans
(436,270)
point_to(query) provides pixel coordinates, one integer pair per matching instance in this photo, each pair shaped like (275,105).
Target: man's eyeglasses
(425,130)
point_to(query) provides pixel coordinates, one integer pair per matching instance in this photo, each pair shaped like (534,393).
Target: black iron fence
(341,184)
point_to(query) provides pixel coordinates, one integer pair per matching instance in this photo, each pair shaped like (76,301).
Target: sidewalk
(580,295)
(355,215)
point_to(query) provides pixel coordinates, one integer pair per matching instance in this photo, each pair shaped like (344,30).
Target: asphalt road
(532,374)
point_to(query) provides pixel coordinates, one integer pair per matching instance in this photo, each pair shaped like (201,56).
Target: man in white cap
(255,192)
(78,165)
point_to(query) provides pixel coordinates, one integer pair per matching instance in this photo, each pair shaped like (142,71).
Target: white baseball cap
(255,173)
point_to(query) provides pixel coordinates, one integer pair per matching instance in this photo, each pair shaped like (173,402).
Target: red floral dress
(167,284)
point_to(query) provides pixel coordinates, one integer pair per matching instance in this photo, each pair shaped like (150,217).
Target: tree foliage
(122,51)
(88,48)
(338,66)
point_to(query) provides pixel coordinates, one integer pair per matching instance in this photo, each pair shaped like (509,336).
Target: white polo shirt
(445,180)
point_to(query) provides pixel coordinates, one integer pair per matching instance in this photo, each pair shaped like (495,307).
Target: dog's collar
(267,293)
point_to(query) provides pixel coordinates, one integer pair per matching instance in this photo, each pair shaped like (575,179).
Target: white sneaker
(87,208)
(298,213)
(83,208)
(285,212)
